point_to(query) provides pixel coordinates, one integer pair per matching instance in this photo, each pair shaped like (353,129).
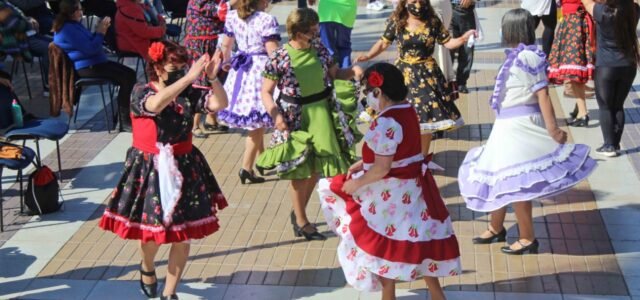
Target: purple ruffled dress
(520,161)
(244,83)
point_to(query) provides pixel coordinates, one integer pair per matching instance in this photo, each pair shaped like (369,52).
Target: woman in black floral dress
(417,28)
(167,194)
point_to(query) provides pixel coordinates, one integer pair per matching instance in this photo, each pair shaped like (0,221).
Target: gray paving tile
(58,289)
(523,296)
(317,293)
(258,292)
(116,289)
(594,297)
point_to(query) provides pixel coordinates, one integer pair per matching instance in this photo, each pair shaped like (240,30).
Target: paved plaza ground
(590,236)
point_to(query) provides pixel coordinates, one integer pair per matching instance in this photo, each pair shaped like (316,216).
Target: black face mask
(417,9)
(173,77)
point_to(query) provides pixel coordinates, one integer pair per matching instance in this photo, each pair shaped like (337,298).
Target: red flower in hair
(156,51)
(375,79)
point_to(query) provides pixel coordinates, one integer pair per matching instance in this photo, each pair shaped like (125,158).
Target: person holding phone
(86,51)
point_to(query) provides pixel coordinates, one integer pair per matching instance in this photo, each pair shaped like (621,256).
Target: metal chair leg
(38,161)
(78,95)
(104,106)
(26,78)
(21,192)
(59,161)
(1,211)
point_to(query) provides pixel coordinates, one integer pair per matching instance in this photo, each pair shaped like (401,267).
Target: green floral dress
(429,91)
(321,137)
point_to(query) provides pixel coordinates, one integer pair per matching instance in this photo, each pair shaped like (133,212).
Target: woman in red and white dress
(388,212)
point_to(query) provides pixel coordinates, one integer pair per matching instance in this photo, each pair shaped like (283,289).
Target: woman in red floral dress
(167,193)
(387,211)
(572,56)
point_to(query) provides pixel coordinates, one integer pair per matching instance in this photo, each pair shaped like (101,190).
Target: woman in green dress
(313,137)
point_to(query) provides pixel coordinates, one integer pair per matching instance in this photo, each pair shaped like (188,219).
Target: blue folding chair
(15,164)
(38,129)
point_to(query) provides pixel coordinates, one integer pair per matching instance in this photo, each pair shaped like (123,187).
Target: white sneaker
(377,6)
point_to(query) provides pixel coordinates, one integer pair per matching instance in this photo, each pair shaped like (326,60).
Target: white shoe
(377,6)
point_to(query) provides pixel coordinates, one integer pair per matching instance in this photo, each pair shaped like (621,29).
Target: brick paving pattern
(256,244)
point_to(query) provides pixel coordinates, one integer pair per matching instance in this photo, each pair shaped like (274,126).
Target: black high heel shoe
(531,248)
(498,237)
(259,169)
(172,297)
(580,122)
(150,290)
(246,175)
(574,113)
(313,236)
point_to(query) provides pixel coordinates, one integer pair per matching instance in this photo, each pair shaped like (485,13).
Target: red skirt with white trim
(572,57)
(134,210)
(386,230)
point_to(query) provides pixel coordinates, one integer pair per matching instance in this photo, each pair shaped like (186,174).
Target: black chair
(122,55)
(82,83)
(39,129)
(15,164)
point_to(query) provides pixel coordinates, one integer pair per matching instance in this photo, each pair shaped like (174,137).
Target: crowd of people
(385,207)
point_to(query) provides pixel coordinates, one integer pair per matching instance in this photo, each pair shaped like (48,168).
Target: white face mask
(373,102)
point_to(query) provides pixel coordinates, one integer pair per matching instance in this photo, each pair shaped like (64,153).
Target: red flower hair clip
(156,51)
(375,79)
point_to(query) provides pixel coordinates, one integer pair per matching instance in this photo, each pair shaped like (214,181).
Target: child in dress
(526,156)
(387,210)
(256,34)
(416,28)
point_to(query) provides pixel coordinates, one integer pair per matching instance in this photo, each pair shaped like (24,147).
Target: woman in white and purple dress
(256,34)
(526,156)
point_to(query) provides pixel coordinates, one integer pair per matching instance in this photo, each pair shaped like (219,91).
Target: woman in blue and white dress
(526,156)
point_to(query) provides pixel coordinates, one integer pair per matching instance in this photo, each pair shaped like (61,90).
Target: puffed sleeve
(273,69)
(228,25)
(324,55)
(384,136)
(270,30)
(390,32)
(530,67)
(442,36)
(139,96)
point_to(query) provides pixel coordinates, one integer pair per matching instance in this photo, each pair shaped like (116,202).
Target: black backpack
(42,192)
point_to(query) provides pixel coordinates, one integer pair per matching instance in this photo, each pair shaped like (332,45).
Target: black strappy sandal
(150,290)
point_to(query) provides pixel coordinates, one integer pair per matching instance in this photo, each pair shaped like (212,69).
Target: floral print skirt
(572,55)
(430,94)
(134,210)
(386,230)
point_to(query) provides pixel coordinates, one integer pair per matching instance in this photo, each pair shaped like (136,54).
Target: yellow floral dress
(429,91)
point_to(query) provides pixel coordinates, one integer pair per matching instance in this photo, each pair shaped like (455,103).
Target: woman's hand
(468,34)
(362,58)
(358,72)
(213,67)
(280,123)
(558,135)
(103,25)
(198,67)
(351,186)
(356,167)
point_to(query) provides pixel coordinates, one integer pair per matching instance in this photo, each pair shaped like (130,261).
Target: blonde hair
(246,8)
(300,21)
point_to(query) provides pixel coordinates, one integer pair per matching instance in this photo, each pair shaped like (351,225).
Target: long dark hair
(66,10)
(625,20)
(401,14)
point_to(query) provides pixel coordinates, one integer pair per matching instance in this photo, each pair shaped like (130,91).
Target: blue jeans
(337,38)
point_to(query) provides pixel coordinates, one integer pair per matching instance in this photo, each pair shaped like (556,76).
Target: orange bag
(8,151)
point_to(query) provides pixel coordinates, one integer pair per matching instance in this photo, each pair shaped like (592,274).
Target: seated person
(85,49)
(135,29)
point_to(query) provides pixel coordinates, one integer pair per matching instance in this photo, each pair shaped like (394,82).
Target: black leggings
(549,21)
(122,75)
(612,87)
